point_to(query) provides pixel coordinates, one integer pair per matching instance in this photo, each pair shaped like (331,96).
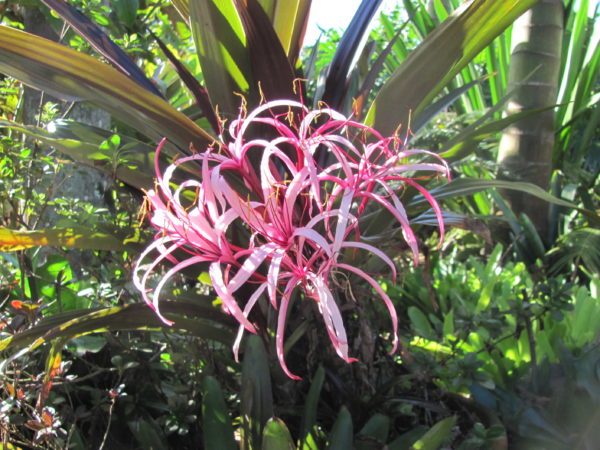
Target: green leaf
(435,437)
(377,429)
(257,397)
(276,436)
(147,434)
(308,438)
(466,142)
(221,46)
(405,440)
(66,73)
(217,431)
(420,322)
(340,437)
(71,237)
(430,67)
(448,327)
(197,320)
(467,186)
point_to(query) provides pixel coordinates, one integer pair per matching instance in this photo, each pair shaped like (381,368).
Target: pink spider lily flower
(263,211)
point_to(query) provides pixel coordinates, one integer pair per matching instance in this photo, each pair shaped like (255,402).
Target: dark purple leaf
(336,85)
(270,65)
(375,70)
(101,42)
(196,89)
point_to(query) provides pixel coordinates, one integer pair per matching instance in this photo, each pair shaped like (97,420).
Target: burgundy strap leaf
(336,84)
(101,42)
(270,64)
(196,89)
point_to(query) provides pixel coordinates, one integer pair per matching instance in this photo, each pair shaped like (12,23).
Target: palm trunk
(526,147)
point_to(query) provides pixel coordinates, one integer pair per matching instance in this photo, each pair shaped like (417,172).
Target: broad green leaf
(448,327)
(308,438)
(435,437)
(66,73)
(377,429)
(340,437)
(217,431)
(257,396)
(71,237)
(405,440)
(443,53)
(147,433)
(276,436)
(420,322)
(221,46)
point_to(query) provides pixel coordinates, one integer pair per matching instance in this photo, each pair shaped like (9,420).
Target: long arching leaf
(66,73)
(270,65)
(468,186)
(196,89)
(187,317)
(221,46)
(430,67)
(336,84)
(72,237)
(101,42)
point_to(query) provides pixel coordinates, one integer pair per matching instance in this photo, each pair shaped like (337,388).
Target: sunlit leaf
(270,65)
(435,437)
(221,46)
(65,72)
(289,20)
(441,55)
(71,237)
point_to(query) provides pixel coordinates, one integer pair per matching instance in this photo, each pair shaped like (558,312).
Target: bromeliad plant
(285,222)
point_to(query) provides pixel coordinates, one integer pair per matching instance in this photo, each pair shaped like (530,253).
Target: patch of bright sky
(327,14)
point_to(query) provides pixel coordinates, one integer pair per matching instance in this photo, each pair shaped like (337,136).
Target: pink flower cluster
(262,211)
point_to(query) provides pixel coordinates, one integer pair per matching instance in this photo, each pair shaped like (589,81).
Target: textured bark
(526,147)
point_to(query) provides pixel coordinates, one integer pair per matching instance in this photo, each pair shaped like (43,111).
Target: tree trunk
(526,147)
(74,181)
